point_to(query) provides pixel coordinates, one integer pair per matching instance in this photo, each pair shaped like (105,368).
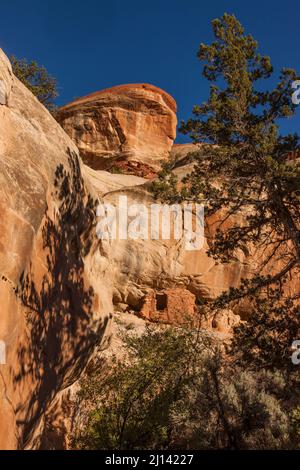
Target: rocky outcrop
(53,306)
(142,269)
(128,128)
(139,269)
(59,284)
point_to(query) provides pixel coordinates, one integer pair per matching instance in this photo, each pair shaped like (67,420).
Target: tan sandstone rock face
(141,269)
(53,305)
(58,282)
(160,280)
(130,128)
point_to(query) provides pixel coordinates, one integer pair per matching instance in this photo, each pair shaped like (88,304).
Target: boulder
(127,128)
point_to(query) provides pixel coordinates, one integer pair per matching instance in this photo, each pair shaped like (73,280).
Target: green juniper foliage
(265,340)
(243,173)
(178,389)
(296,425)
(37,80)
(243,166)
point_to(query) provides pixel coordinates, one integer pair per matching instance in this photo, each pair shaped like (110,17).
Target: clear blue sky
(93,44)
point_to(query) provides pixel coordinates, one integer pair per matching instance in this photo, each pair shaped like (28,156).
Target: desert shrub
(37,80)
(177,390)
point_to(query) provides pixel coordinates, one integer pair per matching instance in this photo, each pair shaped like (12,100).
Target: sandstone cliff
(129,127)
(142,270)
(59,283)
(53,309)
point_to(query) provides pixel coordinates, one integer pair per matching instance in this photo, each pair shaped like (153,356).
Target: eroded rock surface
(53,308)
(140,268)
(128,128)
(59,283)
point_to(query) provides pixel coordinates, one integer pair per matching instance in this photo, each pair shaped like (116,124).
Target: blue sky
(93,44)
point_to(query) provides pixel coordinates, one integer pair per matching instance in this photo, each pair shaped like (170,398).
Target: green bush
(176,390)
(37,80)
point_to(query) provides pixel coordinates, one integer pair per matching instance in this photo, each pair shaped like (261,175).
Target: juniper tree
(244,171)
(37,80)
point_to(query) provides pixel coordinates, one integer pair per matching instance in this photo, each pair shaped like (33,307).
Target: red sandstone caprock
(117,127)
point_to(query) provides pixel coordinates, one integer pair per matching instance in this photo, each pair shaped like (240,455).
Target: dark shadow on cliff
(61,329)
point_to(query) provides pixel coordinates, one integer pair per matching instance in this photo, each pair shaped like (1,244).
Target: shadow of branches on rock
(62,331)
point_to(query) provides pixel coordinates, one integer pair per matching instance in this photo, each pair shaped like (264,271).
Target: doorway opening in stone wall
(161,301)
